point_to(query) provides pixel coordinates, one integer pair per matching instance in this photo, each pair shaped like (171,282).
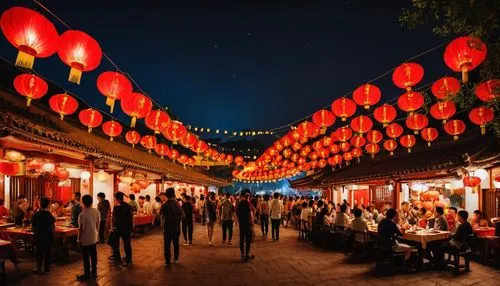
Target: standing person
(245,220)
(276,208)
(227,219)
(172,214)
(88,235)
(289,208)
(187,221)
(211,215)
(133,203)
(104,210)
(44,230)
(264,216)
(19,210)
(76,209)
(201,208)
(148,207)
(122,225)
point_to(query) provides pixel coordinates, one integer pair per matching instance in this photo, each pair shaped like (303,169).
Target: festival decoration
(443,110)
(358,141)
(334,148)
(114,86)
(323,119)
(374,136)
(488,90)
(175,131)
(62,174)
(239,161)
(394,130)
(157,120)
(390,145)
(344,146)
(85,175)
(343,108)
(229,159)
(410,101)
(112,129)
(417,122)
(173,154)
(445,88)
(361,124)
(133,137)
(306,129)
(464,54)
(9,168)
(161,149)
(372,149)
(429,134)
(91,118)
(148,142)
(367,95)
(48,167)
(471,181)
(189,140)
(136,105)
(30,86)
(14,156)
(407,75)
(385,114)
(455,128)
(63,104)
(481,116)
(342,134)
(407,141)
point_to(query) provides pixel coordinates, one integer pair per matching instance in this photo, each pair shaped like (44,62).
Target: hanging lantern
(374,136)
(286,141)
(63,104)
(229,159)
(306,129)
(173,154)
(278,146)
(358,141)
(296,146)
(200,147)
(464,54)
(133,137)
(390,145)
(161,149)
(9,168)
(327,140)
(157,120)
(85,175)
(287,153)
(334,148)
(343,108)
(417,122)
(323,119)
(148,142)
(175,131)
(29,32)
(411,101)
(372,149)
(344,146)
(385,114)
(394,130)
(48,167)
(33,164)
(407,75)
(357,152)
(429,134)
(14,156)
(361,124)
(189,140)
(91,118)
(488,90)
(324,153)
(112,129)
(443,110)
(318,145)
(114,86)
(322,163)
(80,52)
(295,157)
(30,86)
(471,181)
(136,105)
(183,159)
(271,151)
(238,160)
(347,157)
(337,159)
(481,116)
(408,141)
(62,174)
(342,134)
(455,128)
(445,88)
(313,156)
(367,95)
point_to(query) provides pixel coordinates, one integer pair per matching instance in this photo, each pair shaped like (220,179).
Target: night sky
(242,64)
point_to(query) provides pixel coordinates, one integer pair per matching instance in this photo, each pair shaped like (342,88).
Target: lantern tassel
(25,60)
(409,150)
(392,153)
(75,75)
(161,157)
(343,119)
(429,143)
(149,151)
(455,137)
(132,122)
(385,124)
(111,103)
(111,139)
(28,101)
(133,145)
(323,130)
(465,75)
(373,156)
(90,129)
(483,129)
(415,132)
(61,116)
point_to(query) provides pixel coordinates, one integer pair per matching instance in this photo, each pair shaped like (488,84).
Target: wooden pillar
(2,187)
(395,194)
(91,179)
(115,182)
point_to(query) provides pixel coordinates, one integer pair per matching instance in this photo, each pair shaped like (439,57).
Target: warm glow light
(481,173)
(102,176)
(48,167)
(14,156)
(85,175)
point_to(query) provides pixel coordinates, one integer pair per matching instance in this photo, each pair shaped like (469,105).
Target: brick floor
(288,262)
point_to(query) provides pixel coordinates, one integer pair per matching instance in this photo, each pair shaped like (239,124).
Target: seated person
(451,217)
(388,228)
(342,219)
(359,224)
(321,213)
(3,210)
(27,216)
(440,222)
(478,221)
(464,229)
(422,222)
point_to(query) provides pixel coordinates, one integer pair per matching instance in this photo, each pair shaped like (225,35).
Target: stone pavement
(287,262)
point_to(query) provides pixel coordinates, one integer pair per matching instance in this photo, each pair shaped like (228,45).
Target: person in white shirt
(342,219)
(275,211)
(359,224)
(147,208)
(306,213)
(88,236)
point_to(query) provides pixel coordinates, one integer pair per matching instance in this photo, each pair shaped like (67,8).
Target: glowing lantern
(410,101)
(80,52)
(334,148)
(374,136)
(9,168)
(14,156)
(318,145)
(33,164)
(238,160)
(344,146)
(361,124)
(287,153)
(394,130)
(112,129)
(347,157)
(148,142)
(407,75)
(229,159)
(358,141)
(323,119)
(471,181)
(48,167)
(29,32)
(385,114)
(286,140)
(372,149)
(342,134)
(30,86)
(235,173)
(200,147)
(429,134)
(337,159)
(301,161)
(488,90)
(390,145)
(443,110)
(91,118)
(313,155)
(133,137)
(295,157)
(481,116)
(136,105)
(357,152)
(306,129)
(114,86)
(343,108)
(161,149)
(173,154)
(327,140)
(455,128)
(322,163)
(102,176)
(62,174)
(367,95)
(445,88)
(157,120)
(278,146)
(408,141)
(296,146)
(85,175)
(324,153)
(417,122)
(175,131)
(189,140)
(135,188)
(183,159)
(464,54)
(63,104)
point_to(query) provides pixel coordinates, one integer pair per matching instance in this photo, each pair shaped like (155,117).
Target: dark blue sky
(242,64)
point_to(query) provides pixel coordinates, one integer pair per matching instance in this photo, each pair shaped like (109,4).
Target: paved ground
(288,262)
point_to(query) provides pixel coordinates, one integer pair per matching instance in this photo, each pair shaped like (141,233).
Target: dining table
(484,231)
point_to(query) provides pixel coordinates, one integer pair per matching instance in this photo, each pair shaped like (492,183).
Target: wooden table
(6,225)
(484,231)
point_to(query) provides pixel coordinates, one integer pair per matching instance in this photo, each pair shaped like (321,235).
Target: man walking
(88,233)
(123,223)
(211,214)
(276,209)
(44,231)
(187,221)
(245,220)
(172,214)
(104,209)
(227,219)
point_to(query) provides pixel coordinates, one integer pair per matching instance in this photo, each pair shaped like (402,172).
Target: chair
(305,230)
(465,251)
(385,254)
(360,243)
(340,236)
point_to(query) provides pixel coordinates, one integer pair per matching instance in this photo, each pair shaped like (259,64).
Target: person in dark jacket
(43,223)
(172,214)
(104,207)
(187,221)
(122,225)
(76,209)
(245,220)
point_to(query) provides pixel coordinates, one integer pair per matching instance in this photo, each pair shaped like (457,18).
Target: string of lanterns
(242,133)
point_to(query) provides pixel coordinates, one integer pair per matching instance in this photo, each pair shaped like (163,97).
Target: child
(88,236)
(44,229)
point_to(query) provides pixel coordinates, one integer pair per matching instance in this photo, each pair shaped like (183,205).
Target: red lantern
(183,159)
(471,181)
(157,120)
(358,141)
(296,146)
(135,188)
(390,145)
(417,122)
(367,95)
(112,129)
(80,52)
(408,141)
(173,154)
(323,119)
(324,153)
(318,145)
(407,75)
(63,104)
(29,32)
(295,157)
(385,114)
(464,54)
(361,124)
(334,148)
(62,174)
(322,163)
(488,90)
(9,168)
(342,134)
(356,152)
(229,159)
(343,108)
(286,141)
(347,157)
(136,105)
(443,110)
(148,142)
(481,116)
(327,140)
(91,118)
(175,131)
(301,161)
(410,101)
(313,155)
(235,173)
(454,127)
(374,136)
(114,86)
(445,88)
(372,149)
(336,160)
(287,153)
(189,140)
(394,130)
(429,134)
(133,137)
(30,86)
(278,146)
(161,149)
(200,147)
(238,160)
(344,146)
(306,129)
